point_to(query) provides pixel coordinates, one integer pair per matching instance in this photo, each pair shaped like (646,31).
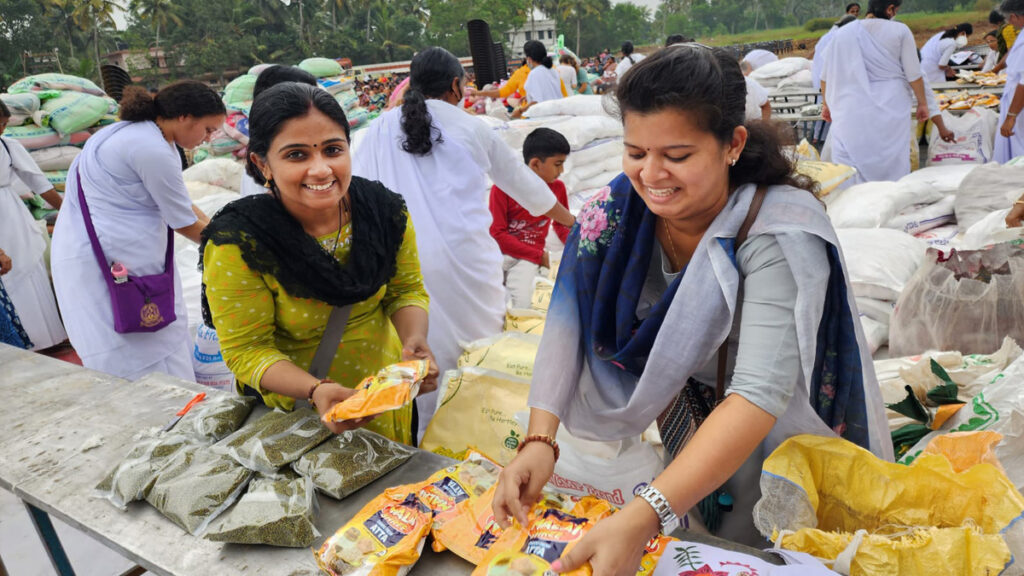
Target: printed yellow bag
(525,321)
(834,500)
(478,409)
(511,352)
(828,176)
(390,389)
(552,532)
(542,289)
(471,531)
(384,539)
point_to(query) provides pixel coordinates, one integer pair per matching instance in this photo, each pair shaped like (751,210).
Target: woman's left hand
(1007,128)
(615,545)
(947,135)
(416,348)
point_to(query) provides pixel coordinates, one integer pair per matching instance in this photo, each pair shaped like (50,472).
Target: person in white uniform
(1010,140)
(131,177)
(629,58)
(273,76)
(568,75)
(937,51)
(758,107)
(759,58)
(439,158)
(24,240)
(871,73)
(543,82)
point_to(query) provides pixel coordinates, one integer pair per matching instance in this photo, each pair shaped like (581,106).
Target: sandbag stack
(53,115)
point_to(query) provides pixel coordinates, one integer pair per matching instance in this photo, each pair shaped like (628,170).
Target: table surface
(65,427)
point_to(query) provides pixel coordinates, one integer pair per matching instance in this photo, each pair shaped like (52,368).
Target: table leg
(46,532)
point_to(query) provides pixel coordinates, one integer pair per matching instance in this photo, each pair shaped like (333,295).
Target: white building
(538,29)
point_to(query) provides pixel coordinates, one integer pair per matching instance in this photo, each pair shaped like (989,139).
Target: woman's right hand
(826,114)
(521,482)
(5,263)
(326,396)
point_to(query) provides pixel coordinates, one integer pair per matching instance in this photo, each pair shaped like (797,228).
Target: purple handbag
(142,303)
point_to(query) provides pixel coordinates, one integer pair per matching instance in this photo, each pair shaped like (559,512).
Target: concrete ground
(23,553)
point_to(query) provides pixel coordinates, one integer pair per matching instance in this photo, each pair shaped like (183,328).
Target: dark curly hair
(184,98)
(707,84)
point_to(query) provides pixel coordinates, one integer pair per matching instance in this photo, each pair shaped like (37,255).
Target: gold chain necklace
(672,245)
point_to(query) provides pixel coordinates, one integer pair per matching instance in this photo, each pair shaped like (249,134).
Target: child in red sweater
(522,237)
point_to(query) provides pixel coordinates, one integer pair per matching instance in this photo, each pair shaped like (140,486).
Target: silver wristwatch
(669,521)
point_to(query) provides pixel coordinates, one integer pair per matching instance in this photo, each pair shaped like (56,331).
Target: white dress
(543,84)
(24,241)
(1009,148)
(757,96)
(819,57)
(447,195)
(627,62)
(936,52)
(867,72)
(132,181)
(568,76)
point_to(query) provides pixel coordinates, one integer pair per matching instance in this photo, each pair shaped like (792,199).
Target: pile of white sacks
(783,74)
(594,135)
(885,228)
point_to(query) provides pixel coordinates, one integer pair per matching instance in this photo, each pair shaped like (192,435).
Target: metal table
(65,427)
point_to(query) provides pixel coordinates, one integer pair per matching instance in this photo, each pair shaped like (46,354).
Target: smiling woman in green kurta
(259,323)
(275,264)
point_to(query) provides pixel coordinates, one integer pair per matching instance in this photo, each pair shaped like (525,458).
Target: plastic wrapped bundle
(276,439)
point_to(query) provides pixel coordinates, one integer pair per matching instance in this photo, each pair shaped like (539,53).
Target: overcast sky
(652,4)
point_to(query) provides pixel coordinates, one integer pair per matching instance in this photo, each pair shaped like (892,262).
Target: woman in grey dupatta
(654,287)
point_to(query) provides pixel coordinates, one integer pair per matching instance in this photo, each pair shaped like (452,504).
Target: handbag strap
(328,348)
(741,237)
(97,250)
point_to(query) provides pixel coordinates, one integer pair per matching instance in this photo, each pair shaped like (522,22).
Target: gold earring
(267,183)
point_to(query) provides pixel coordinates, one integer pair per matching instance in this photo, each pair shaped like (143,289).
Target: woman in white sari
(1010,141)
(937,51)
(28,283)
(130,176)
(871,72)
(438,158)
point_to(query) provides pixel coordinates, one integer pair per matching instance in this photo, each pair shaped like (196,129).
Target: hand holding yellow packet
(390,389)
(552,532)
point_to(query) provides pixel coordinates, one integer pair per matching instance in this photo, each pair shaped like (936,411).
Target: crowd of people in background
(377,240)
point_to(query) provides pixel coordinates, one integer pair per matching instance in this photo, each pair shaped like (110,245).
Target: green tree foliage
(216,39)
(23,27)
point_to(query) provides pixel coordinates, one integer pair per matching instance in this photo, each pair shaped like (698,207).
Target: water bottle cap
(118,270)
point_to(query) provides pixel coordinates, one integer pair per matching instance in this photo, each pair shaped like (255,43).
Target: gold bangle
(1018,202)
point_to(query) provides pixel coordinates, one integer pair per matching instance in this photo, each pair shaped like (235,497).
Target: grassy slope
(924,24)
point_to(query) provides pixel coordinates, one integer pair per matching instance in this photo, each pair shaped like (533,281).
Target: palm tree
(91,15)
(383,18)
(345,6)
(579,9)
(158,12)
(60,15)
